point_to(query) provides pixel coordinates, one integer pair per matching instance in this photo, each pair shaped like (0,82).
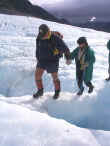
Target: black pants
(49,66)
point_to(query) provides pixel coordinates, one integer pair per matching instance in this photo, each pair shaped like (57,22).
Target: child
(84,58)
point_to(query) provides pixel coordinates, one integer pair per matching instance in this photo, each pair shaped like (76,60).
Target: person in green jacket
(84,59)
(108,46)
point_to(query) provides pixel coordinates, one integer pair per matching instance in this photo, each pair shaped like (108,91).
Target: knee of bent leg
(55,77)
(86,83)
(56,80)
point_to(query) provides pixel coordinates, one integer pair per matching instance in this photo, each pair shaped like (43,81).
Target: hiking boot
(56,95)
(91,89)
(38,94)
(108,79)
(80,92)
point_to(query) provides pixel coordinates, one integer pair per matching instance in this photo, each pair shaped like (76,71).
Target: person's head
(43,31)
(82,42)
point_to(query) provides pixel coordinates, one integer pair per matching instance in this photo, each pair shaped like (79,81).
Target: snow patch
(17,67)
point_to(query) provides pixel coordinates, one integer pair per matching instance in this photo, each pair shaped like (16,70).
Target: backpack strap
(58,34)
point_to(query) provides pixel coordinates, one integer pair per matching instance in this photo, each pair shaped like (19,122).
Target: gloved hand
(68,62)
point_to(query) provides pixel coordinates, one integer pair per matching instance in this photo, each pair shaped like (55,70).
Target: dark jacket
(108,46)
(45,48)
(89,58)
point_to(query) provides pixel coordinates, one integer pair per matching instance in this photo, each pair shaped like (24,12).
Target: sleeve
(37,47)
(61,45)
(92,57)
(73,54)
(108,45)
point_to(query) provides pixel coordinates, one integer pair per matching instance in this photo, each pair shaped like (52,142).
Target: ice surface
(24,117)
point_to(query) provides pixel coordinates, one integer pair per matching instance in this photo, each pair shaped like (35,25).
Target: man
(50,47)
(108,46)
(84,58)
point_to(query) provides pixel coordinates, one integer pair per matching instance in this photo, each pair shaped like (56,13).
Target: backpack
(58,34)
(56,52)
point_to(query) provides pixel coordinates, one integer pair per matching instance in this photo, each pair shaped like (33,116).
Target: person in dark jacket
(49,48)
(108,46)
(84,58)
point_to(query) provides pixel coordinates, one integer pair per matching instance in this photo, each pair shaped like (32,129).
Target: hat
(43,29)
(82,40)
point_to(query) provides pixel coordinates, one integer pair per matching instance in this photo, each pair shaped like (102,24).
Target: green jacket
(89,58)
(108,46)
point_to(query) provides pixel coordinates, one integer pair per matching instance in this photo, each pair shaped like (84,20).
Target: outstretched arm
(61,45)
(73,54)
(37,48)
(108,45)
